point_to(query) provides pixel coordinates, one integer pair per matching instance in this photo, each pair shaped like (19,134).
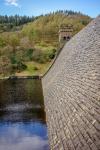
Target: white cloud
(12,2)
(24,143)
(17,138)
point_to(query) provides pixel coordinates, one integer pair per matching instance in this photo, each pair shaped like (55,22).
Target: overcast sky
(38,7)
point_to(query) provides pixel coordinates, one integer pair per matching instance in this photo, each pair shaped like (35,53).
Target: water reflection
(22,116)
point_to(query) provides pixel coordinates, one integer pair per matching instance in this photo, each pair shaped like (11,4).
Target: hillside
(30,50)
(13,23)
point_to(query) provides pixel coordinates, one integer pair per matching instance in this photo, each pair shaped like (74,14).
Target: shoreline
(22,77)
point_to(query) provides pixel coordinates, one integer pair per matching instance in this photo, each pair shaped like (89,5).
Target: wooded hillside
(30,50)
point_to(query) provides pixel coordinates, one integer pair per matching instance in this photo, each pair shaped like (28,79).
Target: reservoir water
(22,115)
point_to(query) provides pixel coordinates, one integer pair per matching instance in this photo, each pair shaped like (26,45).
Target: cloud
(26,143)
(16,138)
(12,2)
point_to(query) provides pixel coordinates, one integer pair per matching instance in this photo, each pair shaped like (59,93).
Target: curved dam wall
(72,93)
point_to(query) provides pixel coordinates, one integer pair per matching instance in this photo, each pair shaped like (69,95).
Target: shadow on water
(22,116)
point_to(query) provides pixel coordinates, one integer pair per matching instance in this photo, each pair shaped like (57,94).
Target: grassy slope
(46,28)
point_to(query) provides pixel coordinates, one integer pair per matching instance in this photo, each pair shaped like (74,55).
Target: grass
(34,68)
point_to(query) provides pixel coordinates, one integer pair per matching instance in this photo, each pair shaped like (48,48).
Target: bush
(18,67)
(42,56)
(35,68)
(17,64)
(13,59)
(51,53)
(2,42)
(38,56)
(29,54)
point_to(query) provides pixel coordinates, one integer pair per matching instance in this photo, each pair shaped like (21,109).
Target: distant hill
(30,50)
(45,28)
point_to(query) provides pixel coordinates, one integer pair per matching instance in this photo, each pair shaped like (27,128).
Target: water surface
(22,116)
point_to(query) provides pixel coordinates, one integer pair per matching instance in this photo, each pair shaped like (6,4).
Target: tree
(14,42)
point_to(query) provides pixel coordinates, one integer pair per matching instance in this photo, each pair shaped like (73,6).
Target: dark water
(22,116)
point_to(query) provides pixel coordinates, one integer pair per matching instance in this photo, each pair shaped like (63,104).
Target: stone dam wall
(72,93)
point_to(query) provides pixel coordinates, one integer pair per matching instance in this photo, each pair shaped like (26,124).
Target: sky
(38,7)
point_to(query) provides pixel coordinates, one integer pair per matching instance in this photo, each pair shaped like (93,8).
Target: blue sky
(38,7)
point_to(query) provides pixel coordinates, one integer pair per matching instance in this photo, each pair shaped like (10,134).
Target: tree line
(15,20)
(20,20)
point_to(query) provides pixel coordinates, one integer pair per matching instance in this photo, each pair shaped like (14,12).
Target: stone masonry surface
(72,93)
